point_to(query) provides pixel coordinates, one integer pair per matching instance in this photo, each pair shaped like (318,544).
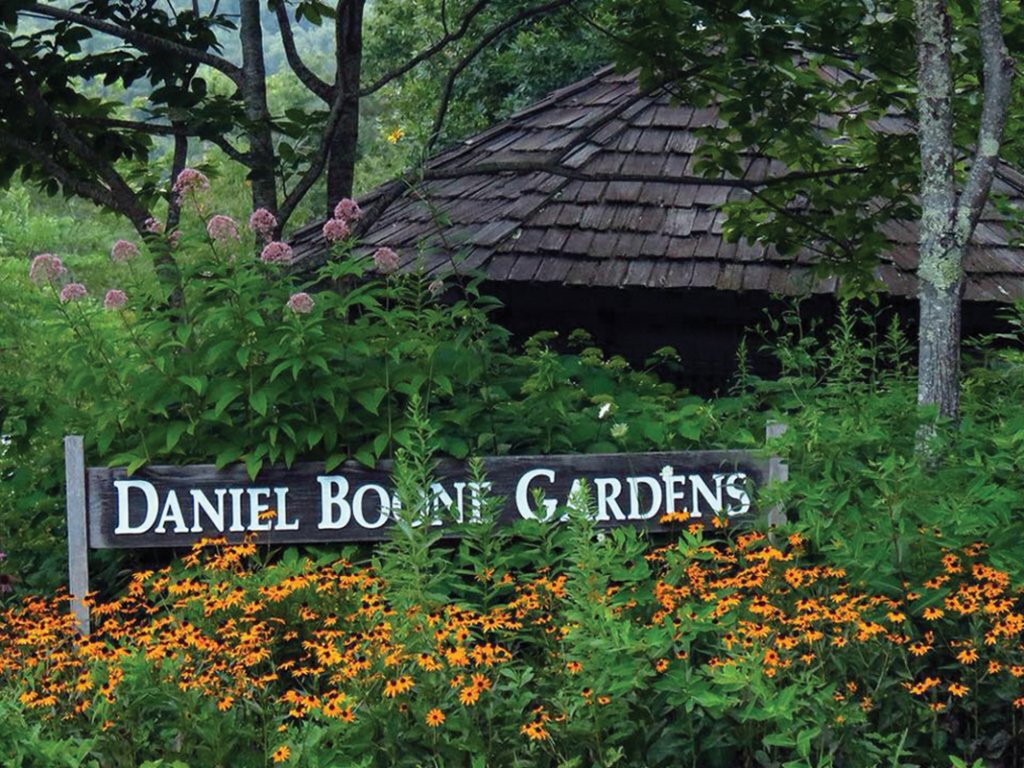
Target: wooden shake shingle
(596,185)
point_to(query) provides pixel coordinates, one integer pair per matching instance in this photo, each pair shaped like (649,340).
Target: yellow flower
(534,731)
(967,656)
(393,688)
(919,649)
(469,695)
(957,689)
(395,136)
(435,718)
(281,754)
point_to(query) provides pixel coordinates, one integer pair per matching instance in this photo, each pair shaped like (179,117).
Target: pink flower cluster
(221,229)
(276,252)
(45,268)
(348,210)
(190,180)
(335,230)
(115,299)
(72,292)
(301,303)
(152,225)
(123,251)
(345,212)
(385,260)
(263,223)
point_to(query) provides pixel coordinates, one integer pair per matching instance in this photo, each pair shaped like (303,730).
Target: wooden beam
(78,537)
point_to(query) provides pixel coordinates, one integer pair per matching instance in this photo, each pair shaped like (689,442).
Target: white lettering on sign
(332,497)
(171,514)
(608,490)
(282,523)
(124,525)
(201,503)
(635,497)
(524,502)
(383,509)
(736,489)
(144,507)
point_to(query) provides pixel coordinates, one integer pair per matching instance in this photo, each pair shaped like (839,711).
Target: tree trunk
(254,94)
(948,220)
(939,348)
(341,160)
(940,258)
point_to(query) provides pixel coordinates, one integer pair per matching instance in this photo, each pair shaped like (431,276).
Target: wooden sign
(163,506)
(167,506)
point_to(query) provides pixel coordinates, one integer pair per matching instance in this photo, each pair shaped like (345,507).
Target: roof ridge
(470,143)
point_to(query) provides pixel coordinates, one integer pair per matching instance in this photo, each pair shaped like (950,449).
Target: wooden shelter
(585,210)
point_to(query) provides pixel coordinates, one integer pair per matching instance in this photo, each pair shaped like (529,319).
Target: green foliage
(539,645)
(234,375)
(824,88)
(859,486)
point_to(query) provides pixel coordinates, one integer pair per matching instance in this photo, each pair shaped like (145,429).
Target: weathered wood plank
(165,506)
(78,536)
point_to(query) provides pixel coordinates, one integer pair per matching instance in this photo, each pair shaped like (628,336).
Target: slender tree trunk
(948,220)
(940,268)
(254,94)
(939,347)
(341,160)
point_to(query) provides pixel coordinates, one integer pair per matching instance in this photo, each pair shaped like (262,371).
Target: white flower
(605,409)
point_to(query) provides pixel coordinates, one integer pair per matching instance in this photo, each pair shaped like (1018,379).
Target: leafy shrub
(196,349)
(546,645)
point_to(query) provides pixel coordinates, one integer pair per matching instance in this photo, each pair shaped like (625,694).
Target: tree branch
(178,159)
(997,72)
(160,129)
(427,53)
(125,197)
(95,192)
(316,167)
(306,76)
(483,43)
(141,40)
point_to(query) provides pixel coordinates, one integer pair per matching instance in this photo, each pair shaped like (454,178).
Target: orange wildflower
(919,648)
(434,718)
(967,656)
(393,688)
(469,695)
(281,754)
(534,731)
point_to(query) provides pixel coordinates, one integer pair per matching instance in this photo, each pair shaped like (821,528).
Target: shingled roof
(595,185)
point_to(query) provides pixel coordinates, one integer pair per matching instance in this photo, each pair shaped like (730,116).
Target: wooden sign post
(78,532)
(167,506)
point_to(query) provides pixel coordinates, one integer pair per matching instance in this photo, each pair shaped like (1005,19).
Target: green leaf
(195,383)
(253,465)
(258,401)
(690,430)
(225,400)
(174,433)
(370,399)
